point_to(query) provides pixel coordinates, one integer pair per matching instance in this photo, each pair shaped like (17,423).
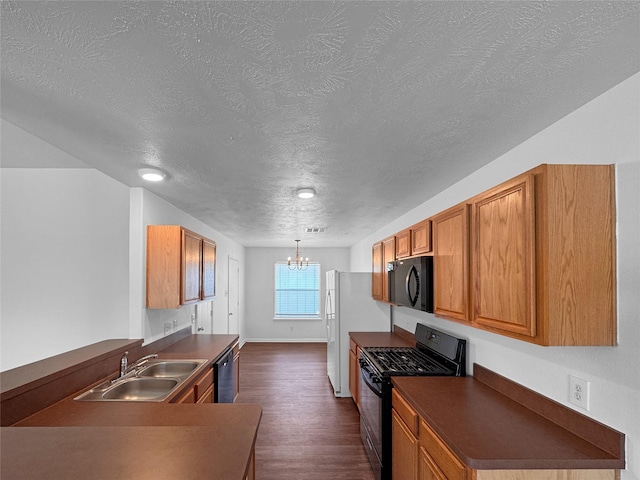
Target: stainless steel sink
(153,381)
(172,368)
(137,388)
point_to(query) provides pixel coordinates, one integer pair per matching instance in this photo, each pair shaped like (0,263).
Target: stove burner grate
(404,361)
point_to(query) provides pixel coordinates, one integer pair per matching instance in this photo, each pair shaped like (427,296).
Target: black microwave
(411,282)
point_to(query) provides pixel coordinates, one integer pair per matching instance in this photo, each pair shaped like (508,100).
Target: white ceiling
(377,105)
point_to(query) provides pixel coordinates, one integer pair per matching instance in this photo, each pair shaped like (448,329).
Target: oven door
(371,402)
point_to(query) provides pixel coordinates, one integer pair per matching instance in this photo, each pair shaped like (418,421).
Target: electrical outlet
(579,392)
(167,328)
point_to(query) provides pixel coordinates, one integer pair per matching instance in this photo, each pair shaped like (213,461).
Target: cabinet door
(208,269)
(236,370)
(404,455)
(164,266)
(188,397)
(403,243)
(427,469)
(503,265)
(354,373)
(388,255)
(377,271)
(191,272)
(451,263)
(445,463)
(421,238)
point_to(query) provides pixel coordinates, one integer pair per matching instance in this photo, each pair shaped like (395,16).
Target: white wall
(64,261)
(72,257)
(607,130)
(260,323)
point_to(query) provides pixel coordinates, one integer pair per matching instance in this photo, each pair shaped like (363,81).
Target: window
(297,292)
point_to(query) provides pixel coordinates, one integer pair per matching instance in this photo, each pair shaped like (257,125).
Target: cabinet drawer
(404,410)
(444,458)
(207,396)
(203,384)
(188,397)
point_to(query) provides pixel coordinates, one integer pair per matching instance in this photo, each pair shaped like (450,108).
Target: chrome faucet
(123,364)
(125,368)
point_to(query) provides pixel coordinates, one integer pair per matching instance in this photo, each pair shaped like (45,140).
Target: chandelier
(299,262)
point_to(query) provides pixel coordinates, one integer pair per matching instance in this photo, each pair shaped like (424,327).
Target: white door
(233,299)
(202,317)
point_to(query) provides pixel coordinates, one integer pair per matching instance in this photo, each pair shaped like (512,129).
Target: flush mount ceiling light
(151,174)
(306,192)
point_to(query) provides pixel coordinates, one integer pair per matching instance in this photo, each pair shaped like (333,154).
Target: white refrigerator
(349,307)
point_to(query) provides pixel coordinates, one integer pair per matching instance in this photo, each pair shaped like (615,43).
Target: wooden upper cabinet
(191,267)
(503,257)
(377,269)
(451,263)
(403,244)
(382,253)
(388,255)
(532,258)
(543,256)
(208,269)
(180,266)
(421,238)
(575,254)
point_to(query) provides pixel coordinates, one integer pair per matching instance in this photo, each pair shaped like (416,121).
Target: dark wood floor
(306,433)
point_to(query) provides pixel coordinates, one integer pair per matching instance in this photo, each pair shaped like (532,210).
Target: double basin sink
(152,382)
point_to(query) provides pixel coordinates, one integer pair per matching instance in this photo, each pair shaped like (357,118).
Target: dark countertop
(380,339)
(488,430)
(137,441)
(141,440)
(200,346)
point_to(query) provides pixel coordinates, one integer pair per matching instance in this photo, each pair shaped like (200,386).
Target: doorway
(233,299)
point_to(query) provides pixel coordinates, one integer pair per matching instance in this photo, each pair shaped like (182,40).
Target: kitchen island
(128,439)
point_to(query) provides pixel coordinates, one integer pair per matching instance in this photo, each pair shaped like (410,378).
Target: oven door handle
(371,380)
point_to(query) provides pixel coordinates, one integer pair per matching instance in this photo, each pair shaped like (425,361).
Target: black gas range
(436,354)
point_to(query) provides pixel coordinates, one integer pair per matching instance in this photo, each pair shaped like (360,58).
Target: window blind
(297,292)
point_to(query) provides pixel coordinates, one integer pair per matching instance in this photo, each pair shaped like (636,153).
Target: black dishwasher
(224,377)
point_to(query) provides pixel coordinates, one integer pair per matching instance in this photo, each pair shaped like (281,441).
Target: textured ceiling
(377,105)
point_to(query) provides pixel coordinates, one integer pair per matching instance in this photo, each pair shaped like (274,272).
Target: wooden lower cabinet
(201,391)
(236,370)
(404,431)
(418,453)
(427,469)
(354,372)
(441,460)
(404,459)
